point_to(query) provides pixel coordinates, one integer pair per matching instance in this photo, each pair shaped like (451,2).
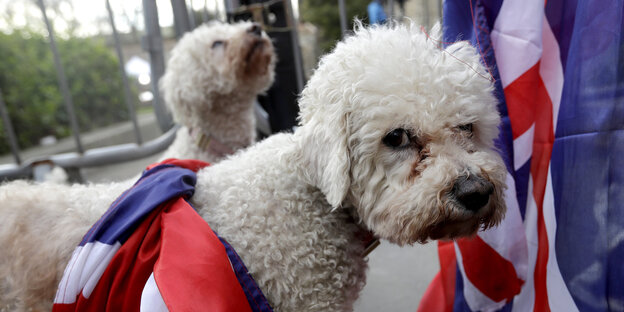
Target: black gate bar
(124,78)
(60,72)
(8,127)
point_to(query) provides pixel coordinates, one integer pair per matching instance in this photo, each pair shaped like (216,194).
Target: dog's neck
(232,103)
(364,235)
(230,123)
(207,143)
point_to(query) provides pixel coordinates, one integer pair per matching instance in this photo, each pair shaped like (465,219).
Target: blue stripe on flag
(587,162)
(255,297)
(459,27)
(582,227)
(459,24)
(459,305)
(166,182)
(561,15)
(521,177)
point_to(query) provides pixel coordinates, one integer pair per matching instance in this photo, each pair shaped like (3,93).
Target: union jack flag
(559,70)
(151,251)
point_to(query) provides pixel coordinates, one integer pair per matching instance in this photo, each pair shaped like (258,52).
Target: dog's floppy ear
(325,155)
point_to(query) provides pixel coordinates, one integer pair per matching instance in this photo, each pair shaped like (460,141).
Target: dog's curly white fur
(396,137)
(212,79)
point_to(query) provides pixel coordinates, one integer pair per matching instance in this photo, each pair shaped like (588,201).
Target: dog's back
(41,225)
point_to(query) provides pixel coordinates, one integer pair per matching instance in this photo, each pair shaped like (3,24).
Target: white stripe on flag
(96,265)
(559,297)
(508,238)
(523,147)
(524,301)
(84,270)
(475,299)
(516,38)
(151,299)
(68,289)
(551,70)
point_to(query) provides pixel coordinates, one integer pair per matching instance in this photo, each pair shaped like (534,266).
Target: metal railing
(73,161)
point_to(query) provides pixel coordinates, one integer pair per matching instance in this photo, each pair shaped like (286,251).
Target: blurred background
(78,90)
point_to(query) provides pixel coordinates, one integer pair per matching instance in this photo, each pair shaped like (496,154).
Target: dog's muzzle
(255,29)
(472,192)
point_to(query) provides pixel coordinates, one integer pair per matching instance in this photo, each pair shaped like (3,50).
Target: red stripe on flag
(539,274)
(521,96)
(193,272)
(488,271)
(529,103)
(190,164)
(542,150)
(440,295)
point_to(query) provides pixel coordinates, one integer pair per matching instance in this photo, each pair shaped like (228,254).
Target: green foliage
(29,85)
(325,15)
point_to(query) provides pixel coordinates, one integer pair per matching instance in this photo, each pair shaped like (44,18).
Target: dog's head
(403,131)
(217,61)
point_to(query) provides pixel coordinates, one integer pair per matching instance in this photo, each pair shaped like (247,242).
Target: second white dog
(212,79)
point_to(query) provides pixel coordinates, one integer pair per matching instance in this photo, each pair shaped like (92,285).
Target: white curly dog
(211,82)
(395,137)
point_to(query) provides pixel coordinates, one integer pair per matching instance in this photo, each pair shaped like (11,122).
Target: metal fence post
(191,14)
(294,35)
(440,11)
(8,127)
(181,19)
(69,105)
(426,8)
(230,6)
(343,17)
(124,78)
(205,17)
(154,45)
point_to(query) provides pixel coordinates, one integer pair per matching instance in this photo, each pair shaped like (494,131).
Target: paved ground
(398,277)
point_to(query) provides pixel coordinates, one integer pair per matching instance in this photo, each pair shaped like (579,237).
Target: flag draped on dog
(558,69)
(151,251)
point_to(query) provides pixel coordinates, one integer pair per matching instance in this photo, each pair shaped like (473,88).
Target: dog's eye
(217,43)
(466,128)
(397,138)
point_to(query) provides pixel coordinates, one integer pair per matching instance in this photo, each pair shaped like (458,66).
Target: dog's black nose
(255,29)
(473,191)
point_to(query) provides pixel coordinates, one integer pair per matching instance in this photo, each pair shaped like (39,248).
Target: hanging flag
(151,251)
(559,70)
